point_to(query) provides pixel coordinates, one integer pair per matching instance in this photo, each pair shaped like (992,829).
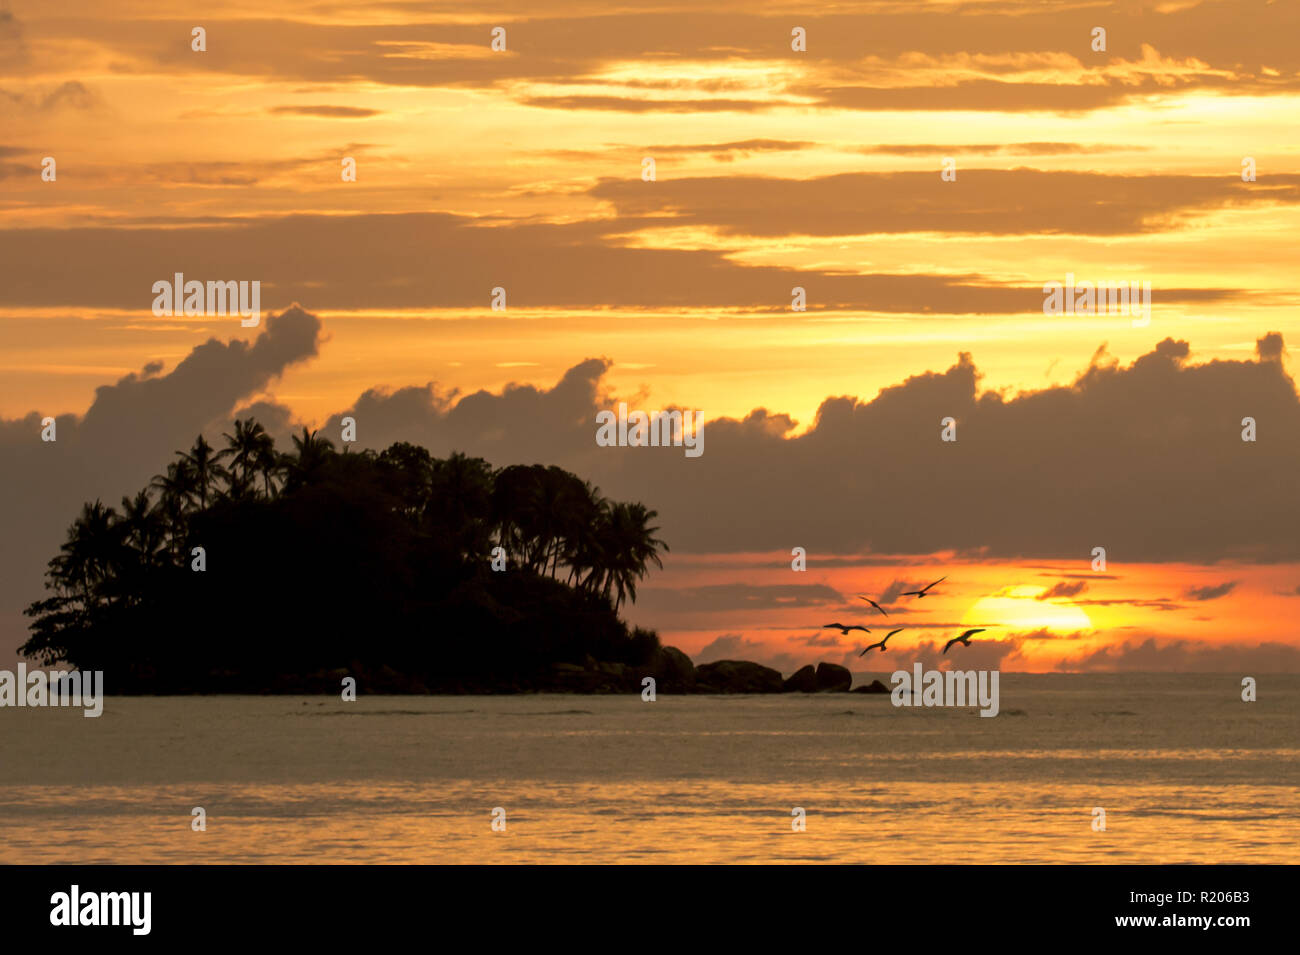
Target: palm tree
(411,470)
(582,514)
(205,465)
(176,489)
(251,450)
(142,525)
(305,460)
(628,547)
(460,497)
(88,556)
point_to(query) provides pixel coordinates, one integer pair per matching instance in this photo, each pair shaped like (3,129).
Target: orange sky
(774,168)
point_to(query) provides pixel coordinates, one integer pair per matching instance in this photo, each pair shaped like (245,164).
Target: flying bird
(964,639)
(873,603)
(843,629)
(881,644)
(921,592)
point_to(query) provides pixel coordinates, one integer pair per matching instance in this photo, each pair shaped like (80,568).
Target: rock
(673,670)
(875,687)
(804,680)
(833,678)
(738,676)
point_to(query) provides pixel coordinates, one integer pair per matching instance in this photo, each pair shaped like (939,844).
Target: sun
(1017,609)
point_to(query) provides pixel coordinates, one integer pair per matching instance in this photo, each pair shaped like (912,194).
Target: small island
(251,570)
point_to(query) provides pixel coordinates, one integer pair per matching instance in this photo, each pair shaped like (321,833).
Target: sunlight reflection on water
(1186,777)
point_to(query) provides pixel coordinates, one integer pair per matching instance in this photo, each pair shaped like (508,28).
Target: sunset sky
(774,169)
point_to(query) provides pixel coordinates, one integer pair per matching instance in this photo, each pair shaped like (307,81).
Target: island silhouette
(250,570)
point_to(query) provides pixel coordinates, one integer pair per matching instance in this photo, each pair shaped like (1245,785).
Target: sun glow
(1021,609)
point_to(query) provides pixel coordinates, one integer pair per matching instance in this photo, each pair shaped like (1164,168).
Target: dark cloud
(1211,592)
(986,201)
(438,260)
(1045,474)
(740,146)
(746,597)
(1080,576)
(896,588)
(71,94)
(1064,589)
(824,638)
(1157,603)
(633,104)
(854,58)
(996,149)
(1270,348)
(1044,633)
(333,112)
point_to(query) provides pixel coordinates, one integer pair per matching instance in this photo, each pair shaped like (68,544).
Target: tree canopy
(318,560)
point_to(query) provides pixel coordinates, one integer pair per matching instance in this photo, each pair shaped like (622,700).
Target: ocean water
(1185,771)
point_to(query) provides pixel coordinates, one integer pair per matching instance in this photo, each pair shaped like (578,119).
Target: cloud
(989,201)
(1064,589)
(335,112)
(740,146)
(1270,347)
(982,654)
(70,94)
(1045,474)
(733,646)
(439,260)
(1187,656)
(1210,592)
(743,597)
(1156,603)
(824,638)
(896,588)
(995,149)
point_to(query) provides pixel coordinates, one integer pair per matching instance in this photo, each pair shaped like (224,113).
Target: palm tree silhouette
(460,498)
(205,465)
(309,454)
(251,451)
(628,546)
(413,534)
(176,490)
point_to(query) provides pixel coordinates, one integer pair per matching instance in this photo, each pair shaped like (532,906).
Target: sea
(1075,768)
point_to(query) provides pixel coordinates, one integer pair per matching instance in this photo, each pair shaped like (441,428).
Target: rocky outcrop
(874,687)
(737,676)
(804,680)
(833,678)
(673,671)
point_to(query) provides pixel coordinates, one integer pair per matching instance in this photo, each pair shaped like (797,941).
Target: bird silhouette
(873,603)
(844,629)
(964,639)
(881,644)
(921,592)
